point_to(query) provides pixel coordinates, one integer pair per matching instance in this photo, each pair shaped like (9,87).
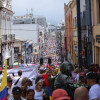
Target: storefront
(96,31)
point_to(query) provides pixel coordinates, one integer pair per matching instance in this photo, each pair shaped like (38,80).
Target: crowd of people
(66,82)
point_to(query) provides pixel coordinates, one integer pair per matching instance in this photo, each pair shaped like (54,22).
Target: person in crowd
(92,80)
(1,75)
(75,75)
(9,87)
(22,63)
(30,94)
(64,76)
(81,93)
(54,73)
(82,78)
(17,80)
(16,91)
(99,76)
(41,70)
(30,85)
(49,72)
(39,90)
(24,82)
(23,92)
(60,94)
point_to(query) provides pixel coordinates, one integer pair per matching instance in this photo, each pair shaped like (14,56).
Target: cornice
(7,11)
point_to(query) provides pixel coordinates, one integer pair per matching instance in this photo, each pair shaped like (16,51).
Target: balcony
(11,37)
(6,38)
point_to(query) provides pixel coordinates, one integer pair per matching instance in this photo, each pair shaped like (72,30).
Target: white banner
(31,72)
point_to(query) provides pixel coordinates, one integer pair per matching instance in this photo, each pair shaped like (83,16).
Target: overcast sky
(53,10)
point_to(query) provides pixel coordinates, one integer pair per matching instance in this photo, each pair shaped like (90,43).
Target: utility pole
(79,35)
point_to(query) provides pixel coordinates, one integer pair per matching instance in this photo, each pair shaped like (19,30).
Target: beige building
(75,35)
(96,29)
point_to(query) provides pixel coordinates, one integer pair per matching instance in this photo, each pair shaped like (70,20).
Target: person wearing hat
(60,94)
(64,76)
(92,80)
(16,91)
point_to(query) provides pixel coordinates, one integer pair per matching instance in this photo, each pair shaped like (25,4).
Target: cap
(60,94)
(9,79)
(16,90)
(92,75)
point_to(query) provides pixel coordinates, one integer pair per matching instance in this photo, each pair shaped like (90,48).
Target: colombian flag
(45,76)
(3,88)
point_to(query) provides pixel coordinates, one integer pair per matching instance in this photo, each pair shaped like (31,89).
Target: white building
(26,31)
(19,50)
(6,14)
(29,27)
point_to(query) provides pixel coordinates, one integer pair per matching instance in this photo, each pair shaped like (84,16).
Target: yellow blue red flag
(3,87)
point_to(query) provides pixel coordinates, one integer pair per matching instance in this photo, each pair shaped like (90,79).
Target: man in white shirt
(94,92)
(17,80)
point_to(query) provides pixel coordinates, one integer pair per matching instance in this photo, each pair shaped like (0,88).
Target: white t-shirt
(77,78)
(10,92)
(94,92)
(30,87)
(19,82)
(38,95)
(1,76)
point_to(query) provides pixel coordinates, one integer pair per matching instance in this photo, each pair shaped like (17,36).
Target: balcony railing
(6,38)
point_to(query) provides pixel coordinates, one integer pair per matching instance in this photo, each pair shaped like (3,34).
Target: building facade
(6,14)
(96,29)
(19,50)
(69,31)
(75,35)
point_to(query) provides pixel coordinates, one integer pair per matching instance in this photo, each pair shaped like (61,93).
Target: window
(16,49)
(35,50)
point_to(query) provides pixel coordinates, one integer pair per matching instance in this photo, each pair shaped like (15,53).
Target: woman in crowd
(39,91)
(30,85)
(24,82)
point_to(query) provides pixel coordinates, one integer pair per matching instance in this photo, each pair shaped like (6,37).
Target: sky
(53,10)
